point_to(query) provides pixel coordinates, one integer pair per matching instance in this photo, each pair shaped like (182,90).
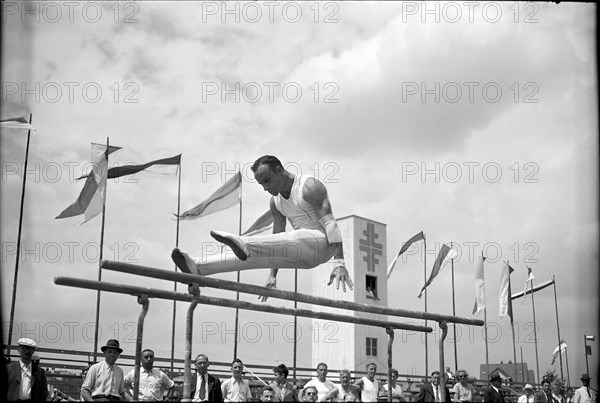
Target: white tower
(345,345)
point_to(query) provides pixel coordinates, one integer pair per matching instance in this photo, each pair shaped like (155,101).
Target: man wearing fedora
(492,394)
(26,380)
(105,380)
(584,394)
(528,396)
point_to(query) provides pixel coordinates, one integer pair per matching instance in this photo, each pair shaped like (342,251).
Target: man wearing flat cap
(105,380)
(26,380)
(584,394)
(492,394)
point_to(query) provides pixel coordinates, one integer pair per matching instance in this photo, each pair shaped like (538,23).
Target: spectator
(267,394)
(105,380)
(492,394)
(210,386)
(344,392)
(310,394)
(396,389)
(528,397)
(25,379)
(153,383)
(235,389)
(368,385)
(545,395)
(321,383)
(463,390)
(284,390)
(584,394)
(431,392)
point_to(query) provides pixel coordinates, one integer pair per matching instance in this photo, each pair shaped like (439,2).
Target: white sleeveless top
(298,211)
(369,390)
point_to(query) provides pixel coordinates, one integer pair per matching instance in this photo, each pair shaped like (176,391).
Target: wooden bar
(204,281)
(222,302)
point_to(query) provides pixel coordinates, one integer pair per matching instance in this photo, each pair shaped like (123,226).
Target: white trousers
(297,249)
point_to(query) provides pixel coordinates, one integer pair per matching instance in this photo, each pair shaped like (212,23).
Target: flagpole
(454,314)
(237,294)
(567,360)
(558,330)
(523,368)
(425,280)
(14,290)
(100,259)
(537,361)
(175,282)
(512,323)
(487,359)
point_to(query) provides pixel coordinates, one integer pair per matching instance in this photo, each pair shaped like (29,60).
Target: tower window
(371,286)
(372,346)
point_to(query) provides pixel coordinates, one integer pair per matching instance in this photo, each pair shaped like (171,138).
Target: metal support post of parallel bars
(443,375)
(143,301)
(390,333)
(189,329)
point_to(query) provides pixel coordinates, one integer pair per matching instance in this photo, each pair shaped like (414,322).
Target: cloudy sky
(475,124)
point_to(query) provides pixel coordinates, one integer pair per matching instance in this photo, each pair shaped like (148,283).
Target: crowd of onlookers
(106,381)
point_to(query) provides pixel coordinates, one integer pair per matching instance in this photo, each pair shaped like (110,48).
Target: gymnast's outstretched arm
(279,222)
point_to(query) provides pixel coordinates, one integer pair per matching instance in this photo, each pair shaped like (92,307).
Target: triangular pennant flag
(527,282)
(225,197)
(415,238)
(91,198)
(117,172)
(529,290)
(440,262)
(504,292)
(479,287)
(15,115)
(262,224)
(560,348)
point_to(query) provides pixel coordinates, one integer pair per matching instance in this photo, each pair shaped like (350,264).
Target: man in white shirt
(26,380)
(344,392)
(105,380)
(320,383)
(153,382)
(528,396)
(368,385)
(395,388)
(584,394)
(236,389)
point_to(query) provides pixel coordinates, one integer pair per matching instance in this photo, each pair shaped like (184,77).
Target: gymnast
(315,238)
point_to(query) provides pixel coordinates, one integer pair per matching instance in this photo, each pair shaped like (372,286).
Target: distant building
(508,371)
